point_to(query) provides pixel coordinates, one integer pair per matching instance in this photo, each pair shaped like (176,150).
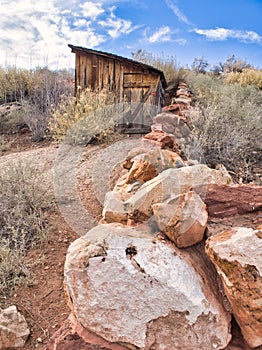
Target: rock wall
(141,279)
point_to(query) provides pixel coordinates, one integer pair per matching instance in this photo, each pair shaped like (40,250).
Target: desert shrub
(168,65)
(23,206)
(200,65)
(231,65)
(246,77)
(14,84)
(81,120)
(38,91)
(204,87)
(12,120)
(48,90)
(4,144)
(226,120)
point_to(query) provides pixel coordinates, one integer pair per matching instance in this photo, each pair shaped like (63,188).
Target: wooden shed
(133,82)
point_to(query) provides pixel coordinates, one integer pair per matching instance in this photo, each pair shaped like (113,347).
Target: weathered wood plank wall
(132,82)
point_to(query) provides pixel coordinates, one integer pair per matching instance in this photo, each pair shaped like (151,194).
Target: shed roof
(121,59)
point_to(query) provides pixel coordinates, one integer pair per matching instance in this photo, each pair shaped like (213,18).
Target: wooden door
(137,88)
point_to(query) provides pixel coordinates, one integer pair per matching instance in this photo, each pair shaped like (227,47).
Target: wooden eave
(144,66)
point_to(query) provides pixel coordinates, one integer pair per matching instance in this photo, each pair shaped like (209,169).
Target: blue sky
(36,33)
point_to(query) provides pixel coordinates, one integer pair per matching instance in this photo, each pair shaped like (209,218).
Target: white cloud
(181,41)
(81,23)
(117,26)
(222,34)
(163,34)
(91,9)
(172,4)
(36,33)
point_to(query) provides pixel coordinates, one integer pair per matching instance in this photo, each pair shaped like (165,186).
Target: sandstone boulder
(172,182)
(136,151)
(114,210)
(142,168)
(227,200)
(14,330)
(73,336)
(126,190)
(177,109)
(147,165)
(170,123)
(140,292)
(182,218)
(141,171)
(236,254)
(159,139)
(183,99)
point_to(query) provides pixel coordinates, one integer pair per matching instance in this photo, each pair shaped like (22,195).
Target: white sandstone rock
(170,183)
(132,289)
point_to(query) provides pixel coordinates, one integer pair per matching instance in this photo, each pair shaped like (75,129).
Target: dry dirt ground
(41,298)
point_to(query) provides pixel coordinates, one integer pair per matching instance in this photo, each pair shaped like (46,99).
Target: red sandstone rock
(141,171)
(146,166)
(143,293)
(14,329)
(236,254)
(160,139)
(183,92)
(182,218)
(237,342)
(113,210)
(173,124)
(72,336)
(226,200)
(177,109)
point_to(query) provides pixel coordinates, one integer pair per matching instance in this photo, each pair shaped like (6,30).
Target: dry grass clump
(23,206)
(245,78)
(11,120)
(14,84)
(5,144)
(226,121)
(82,120)
(168,65)
(37,91)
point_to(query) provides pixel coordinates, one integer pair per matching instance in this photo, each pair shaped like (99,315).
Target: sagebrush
(37,91)
(226,120)
(24,203)
(81,120)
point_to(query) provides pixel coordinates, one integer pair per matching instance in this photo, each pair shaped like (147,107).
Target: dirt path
(85,174)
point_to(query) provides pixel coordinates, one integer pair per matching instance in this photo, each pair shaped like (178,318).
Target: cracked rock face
(137,291)
(182,218)
(236,254)
(146,166)
(173,182)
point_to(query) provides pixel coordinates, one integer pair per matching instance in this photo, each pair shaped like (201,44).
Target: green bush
(23,217)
